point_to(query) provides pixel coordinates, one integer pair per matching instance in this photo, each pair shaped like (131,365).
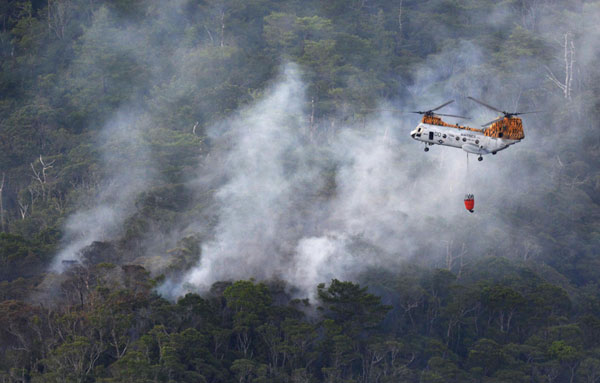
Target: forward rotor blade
(452,115)
(484,104)
(491,122)
(519,113)
(441,106)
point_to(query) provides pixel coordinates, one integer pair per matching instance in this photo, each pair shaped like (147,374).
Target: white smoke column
(266,171)
(126,162)
(317,259)
(388,205)
(389,197)
(392,201)
(367,207)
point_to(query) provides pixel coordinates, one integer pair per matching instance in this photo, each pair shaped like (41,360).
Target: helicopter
(500,133)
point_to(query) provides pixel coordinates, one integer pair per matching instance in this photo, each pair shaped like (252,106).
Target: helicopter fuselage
(470,140)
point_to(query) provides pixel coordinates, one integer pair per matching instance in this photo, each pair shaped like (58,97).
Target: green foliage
(111,327)
(68,68)
(350,306)
(23,258)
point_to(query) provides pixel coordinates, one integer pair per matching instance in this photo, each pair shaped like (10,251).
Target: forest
(226,191)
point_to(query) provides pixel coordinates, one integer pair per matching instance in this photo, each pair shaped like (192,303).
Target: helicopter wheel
(480,158)
(494,153)
(426,149)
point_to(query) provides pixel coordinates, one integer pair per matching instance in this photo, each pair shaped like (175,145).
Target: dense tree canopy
(73,72)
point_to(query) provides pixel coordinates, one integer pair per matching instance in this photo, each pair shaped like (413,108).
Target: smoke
(388,201)
(125,158)
(134,70)
(284,199)
(269,176)
(308,211)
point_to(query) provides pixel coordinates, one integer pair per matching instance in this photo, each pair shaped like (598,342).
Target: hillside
(226,191)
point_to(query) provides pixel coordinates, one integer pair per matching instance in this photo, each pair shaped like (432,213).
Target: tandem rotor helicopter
(502,132)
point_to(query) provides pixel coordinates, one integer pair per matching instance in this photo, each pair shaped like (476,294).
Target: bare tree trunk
(1,203)
(569,59)
(400,19)
(463,252)
(40,175)
(209,35)
(48,9)
(559,172)
(312,118)
(23,208)
(58,17)
(451,258)
(222,29)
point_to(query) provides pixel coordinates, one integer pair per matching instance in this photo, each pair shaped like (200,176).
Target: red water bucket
(470,202)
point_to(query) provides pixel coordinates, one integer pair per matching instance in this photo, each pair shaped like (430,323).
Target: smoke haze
(126,159)
(307,206)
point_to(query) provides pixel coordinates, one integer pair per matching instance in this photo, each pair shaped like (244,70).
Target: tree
(249,303)
(567,355)
(589,370)
(2,218)
(243,369)
(569,58)
(74,360)
(487,355)
(351,306)
(299,340)
(502,303)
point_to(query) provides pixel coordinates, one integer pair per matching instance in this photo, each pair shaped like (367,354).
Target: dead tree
(558,168)
(312,119)
(212,40)
(531,12)
(23,208)
(222,28)
(34,194)
(41,176)
(569,59)
(400,20)
(451,258)
(530,249)
(1,203)
(58,17)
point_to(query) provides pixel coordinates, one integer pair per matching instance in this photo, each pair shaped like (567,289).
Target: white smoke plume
(271,221)
(389,201)
(268,172)
(309,207)
(126,159)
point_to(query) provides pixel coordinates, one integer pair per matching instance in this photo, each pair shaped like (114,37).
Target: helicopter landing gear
(494,153)
(480,158)
(426,149)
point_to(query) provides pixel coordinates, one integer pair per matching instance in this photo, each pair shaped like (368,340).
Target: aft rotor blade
(451,115)
(486,105)
(384,110)
(441,106)
(491,122)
